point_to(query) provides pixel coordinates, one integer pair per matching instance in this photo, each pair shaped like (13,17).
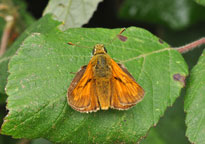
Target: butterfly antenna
(70,43)
(122,30)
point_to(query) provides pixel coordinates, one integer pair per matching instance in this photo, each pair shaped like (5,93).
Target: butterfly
(103,84)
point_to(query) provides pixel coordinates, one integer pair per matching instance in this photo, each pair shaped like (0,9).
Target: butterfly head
(99,49)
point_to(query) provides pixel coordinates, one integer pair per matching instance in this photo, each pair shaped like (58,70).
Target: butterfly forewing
(81,93)
(125,90)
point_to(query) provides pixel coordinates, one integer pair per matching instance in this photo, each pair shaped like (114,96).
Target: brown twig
(6,33)
(3,6)
(24,141)
(190,46)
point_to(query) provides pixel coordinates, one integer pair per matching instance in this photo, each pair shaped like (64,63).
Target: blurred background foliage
(177,22)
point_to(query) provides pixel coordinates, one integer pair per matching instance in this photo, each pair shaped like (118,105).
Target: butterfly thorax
(101,63)
(101,68)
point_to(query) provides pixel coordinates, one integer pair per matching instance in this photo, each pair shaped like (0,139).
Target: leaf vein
(146,54)
(169,87)
(142,69)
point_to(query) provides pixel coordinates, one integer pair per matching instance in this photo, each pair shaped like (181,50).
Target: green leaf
(74,13)
(44,25)
(41,73)
(201,2)
(171,127)
(176,14)
(194,103)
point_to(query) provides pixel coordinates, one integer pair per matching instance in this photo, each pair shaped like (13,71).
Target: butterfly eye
(105,49)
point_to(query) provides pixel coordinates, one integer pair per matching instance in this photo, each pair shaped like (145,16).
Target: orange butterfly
(103,84)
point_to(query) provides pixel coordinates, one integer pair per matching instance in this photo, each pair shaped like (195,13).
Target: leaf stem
(7,30)
(190,46)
